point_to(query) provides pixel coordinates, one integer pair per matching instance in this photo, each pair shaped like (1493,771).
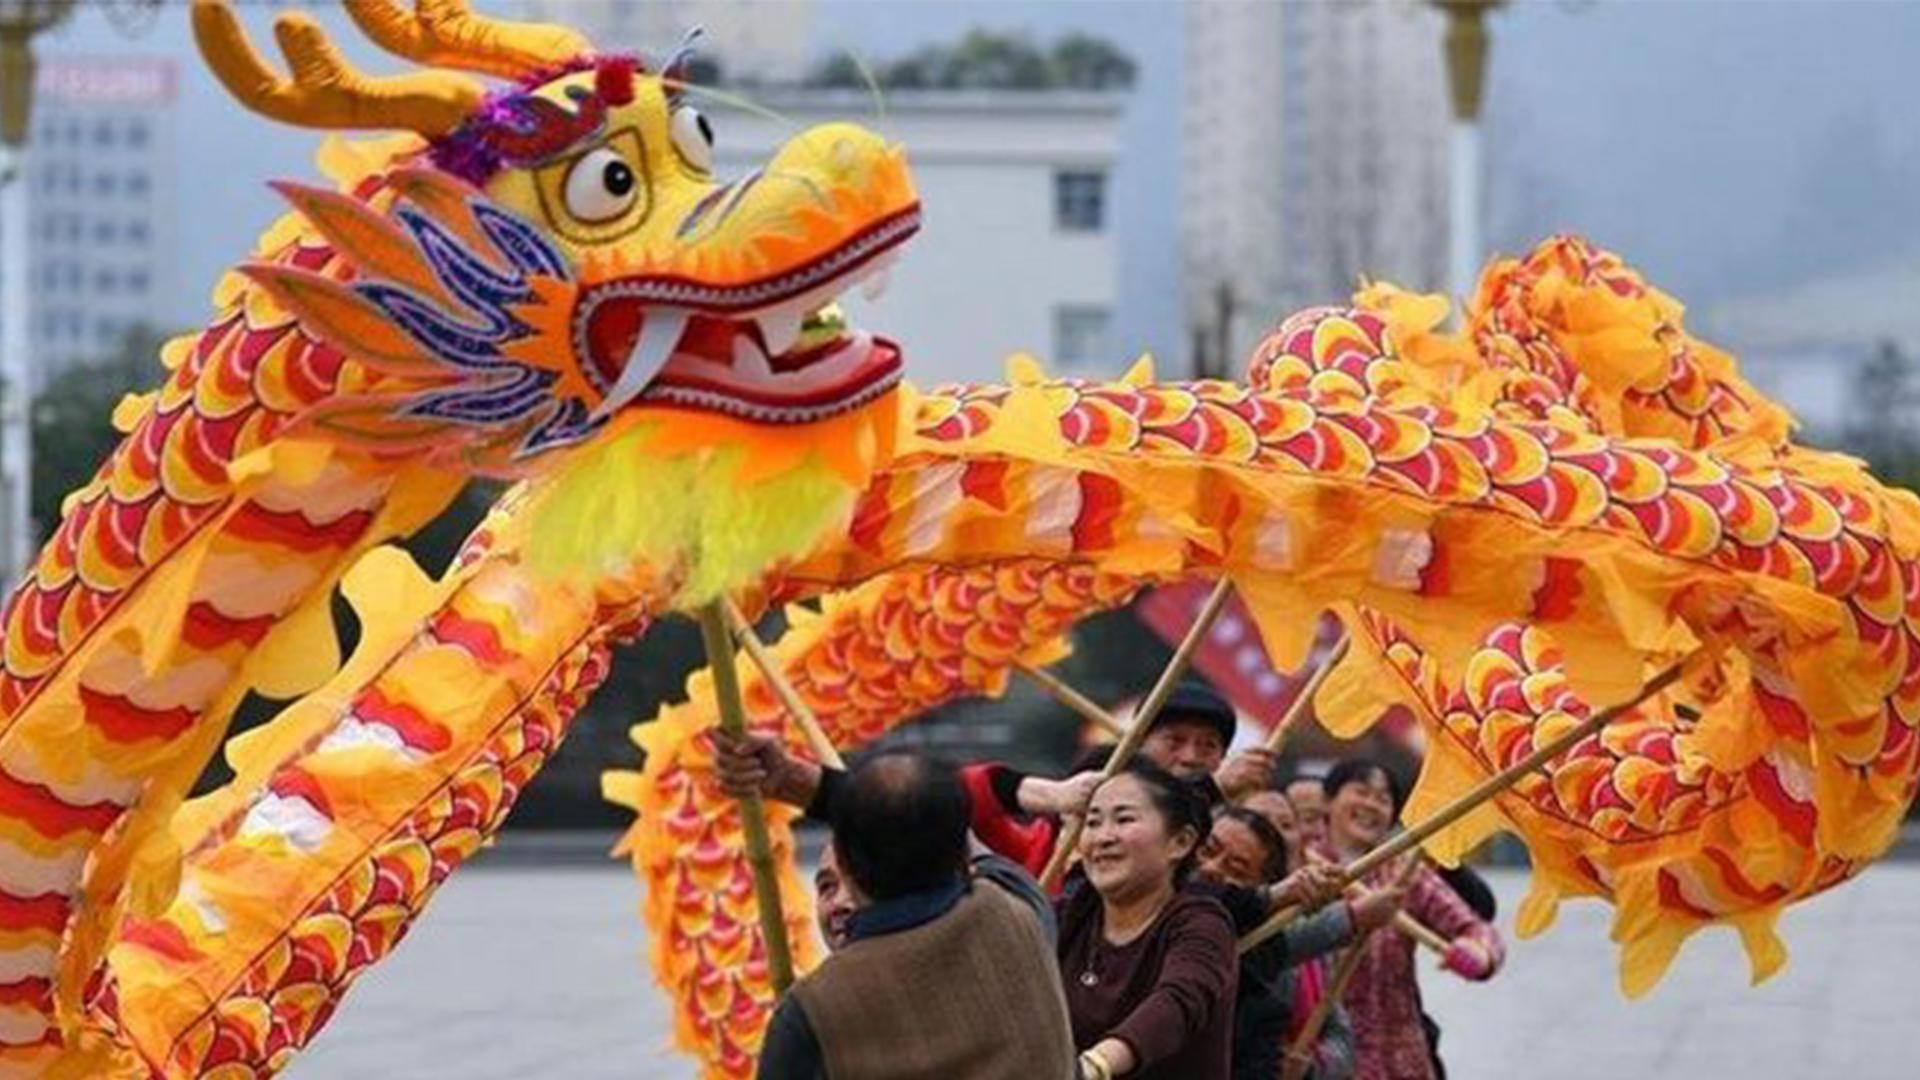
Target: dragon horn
(447,34)
(325,91)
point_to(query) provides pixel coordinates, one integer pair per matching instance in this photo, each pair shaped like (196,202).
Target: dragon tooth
(660,331)
(749,360)
(876,286)
(780,327)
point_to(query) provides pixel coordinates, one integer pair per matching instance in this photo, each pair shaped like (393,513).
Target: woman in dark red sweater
(1149,966)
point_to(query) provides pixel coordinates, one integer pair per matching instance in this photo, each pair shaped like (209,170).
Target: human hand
(1374,908)
(753,765)
(1313,886)
(1058,797)
(1246,772)
(1469,960)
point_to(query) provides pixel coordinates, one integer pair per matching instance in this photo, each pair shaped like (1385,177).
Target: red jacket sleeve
(1005,832)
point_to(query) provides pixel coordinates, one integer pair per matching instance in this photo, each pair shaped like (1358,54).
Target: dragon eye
(601,186)
(693,138)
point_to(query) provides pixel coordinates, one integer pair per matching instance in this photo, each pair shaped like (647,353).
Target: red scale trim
(122,721)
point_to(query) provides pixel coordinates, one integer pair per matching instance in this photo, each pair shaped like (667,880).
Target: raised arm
(1476,949)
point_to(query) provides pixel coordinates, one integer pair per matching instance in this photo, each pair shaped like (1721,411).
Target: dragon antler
(325,91)
(446,33)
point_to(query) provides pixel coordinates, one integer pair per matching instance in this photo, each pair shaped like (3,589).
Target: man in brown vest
(947,972)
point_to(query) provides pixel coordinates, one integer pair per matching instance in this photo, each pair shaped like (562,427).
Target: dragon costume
(538,278)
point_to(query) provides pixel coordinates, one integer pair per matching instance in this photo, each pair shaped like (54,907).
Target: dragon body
(539,279)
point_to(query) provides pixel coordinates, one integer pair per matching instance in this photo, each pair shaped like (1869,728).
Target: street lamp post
(1466,48)
(20,20)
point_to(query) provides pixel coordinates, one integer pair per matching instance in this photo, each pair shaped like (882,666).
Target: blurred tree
(704,70)
(989,60)
(1085,62)
(985,60)
(72,419)
(840,71)
(1879,425)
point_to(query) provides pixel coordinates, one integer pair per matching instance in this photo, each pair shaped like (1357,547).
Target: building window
(104,232)
(137,183)
(137,231)
(106,282)
(1079,200)
(104,183)
(1080,337)
(137,281)
(137,133)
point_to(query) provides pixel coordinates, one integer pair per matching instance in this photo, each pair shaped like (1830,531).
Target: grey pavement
(524,969)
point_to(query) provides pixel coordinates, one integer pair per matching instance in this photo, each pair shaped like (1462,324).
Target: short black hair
(1181,804)
(1359,771)
(1274,866)
(900,825)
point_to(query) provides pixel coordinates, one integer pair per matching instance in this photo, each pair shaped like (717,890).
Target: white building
(1017,251)
(754,41)
(1315,152)
(101,205)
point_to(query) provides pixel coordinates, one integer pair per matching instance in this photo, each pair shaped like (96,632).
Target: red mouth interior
(704,360)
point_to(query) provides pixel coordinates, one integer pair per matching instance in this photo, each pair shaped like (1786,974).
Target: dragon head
(555,250)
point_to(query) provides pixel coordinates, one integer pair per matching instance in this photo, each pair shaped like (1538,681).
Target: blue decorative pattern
(498,392)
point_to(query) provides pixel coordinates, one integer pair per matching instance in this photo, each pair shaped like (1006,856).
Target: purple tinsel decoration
(468,151)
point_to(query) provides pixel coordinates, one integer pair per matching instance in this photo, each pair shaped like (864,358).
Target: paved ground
(531,971)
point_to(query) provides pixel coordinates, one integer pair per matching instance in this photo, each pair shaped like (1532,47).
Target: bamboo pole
(1082,705)
(1300,1053)
(1137,731)
(1408,839)
(753,818)
(1278,736)
(809,724)
(1420,933)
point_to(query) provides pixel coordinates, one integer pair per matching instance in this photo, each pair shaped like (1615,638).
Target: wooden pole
(1137,731)
(823,748)
(1059,690)
(1278,736)
(1408,839)
(1420,933)
(1301,1052)
(753,818)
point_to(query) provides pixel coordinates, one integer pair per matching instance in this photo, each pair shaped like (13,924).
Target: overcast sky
(1730,147)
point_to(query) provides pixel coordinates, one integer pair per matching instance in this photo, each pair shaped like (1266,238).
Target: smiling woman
(1149,967)
(1391,1039)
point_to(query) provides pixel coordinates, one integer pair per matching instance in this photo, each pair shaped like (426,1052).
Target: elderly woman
(1384,996)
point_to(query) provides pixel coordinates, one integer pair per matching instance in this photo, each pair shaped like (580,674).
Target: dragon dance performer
(1214,870)
(1390,1036)
(1016,814)
(1305,983)
(941,972)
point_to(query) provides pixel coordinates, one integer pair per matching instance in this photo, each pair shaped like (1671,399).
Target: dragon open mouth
(773,351)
